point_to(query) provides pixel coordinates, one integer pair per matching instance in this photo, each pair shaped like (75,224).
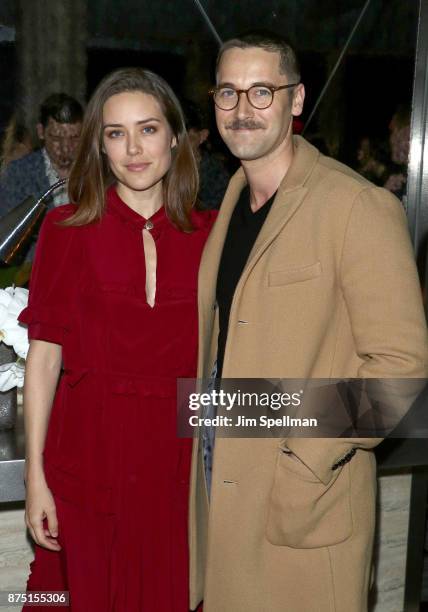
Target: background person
(372,160)
(399,141)
(16,142)
(213,175)
(59,131)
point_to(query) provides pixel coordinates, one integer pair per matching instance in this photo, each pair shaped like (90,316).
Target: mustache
(244,124)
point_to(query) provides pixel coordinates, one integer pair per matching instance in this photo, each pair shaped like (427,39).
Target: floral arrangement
(12,301)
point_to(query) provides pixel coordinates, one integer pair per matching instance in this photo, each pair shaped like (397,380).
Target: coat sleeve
(53,282)
(382,294)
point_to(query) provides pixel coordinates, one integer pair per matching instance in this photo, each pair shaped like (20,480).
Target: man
(308,273)
(59,131)
(59,127)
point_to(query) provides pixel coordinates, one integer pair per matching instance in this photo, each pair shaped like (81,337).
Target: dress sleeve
(53,281)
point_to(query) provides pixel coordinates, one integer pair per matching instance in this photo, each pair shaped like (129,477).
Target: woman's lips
(137,167)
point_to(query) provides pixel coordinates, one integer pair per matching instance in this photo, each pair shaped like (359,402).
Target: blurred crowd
(385,162)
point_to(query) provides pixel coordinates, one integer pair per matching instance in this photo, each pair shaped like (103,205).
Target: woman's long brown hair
(91,175)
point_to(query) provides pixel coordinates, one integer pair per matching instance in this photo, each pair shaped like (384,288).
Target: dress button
(148,225)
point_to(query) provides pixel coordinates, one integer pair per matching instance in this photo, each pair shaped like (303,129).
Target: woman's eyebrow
(116,125)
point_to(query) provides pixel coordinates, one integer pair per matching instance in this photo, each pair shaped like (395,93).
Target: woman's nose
(134,145)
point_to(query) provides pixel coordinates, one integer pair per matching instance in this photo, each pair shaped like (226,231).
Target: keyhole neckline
(116,205)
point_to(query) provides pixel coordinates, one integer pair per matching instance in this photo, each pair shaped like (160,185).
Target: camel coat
(330,289)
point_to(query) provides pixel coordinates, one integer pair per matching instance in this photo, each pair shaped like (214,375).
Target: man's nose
(66,146)
(244,108)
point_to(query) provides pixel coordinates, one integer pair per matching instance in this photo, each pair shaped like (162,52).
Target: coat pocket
(294,275)
(304,512)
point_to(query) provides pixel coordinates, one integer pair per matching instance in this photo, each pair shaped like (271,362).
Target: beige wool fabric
(330,289)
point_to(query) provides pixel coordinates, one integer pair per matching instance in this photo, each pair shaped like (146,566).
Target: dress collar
(117,206)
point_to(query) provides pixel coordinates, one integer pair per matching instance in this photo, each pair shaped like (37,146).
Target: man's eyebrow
(226,85)
(117,125)
(261,83)
(255,84)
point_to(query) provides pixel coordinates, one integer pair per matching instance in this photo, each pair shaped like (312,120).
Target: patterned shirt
(60,195)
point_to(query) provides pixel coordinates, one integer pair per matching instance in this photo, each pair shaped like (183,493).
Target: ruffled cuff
(44,324)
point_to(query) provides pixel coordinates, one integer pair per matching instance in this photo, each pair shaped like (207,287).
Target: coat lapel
(283,209)
(208,269)
(214,246)
(289,197)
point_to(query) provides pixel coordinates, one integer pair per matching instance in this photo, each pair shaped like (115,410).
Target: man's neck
(61,172)
(266,174)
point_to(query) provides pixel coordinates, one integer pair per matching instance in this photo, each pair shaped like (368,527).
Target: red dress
(117,470)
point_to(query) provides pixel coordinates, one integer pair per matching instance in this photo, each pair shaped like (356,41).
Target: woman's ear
(173,142)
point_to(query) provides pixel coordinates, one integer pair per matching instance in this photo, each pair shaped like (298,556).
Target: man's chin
(246,153)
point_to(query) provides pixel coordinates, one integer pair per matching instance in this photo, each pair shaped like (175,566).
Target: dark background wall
(172,38)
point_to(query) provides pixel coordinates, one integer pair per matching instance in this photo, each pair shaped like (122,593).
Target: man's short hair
(62,108)
(288,62)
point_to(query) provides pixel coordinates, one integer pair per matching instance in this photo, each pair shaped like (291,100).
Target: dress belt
(124,383)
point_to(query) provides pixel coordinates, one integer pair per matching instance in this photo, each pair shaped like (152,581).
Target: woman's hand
(40,505)
(42,370)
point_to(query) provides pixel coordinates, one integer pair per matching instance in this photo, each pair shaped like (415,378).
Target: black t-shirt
(244,227)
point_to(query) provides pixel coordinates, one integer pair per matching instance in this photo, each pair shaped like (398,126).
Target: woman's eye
(114,134)
(149,129)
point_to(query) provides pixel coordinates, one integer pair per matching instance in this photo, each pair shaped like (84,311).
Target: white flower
(12,301)
(11,375)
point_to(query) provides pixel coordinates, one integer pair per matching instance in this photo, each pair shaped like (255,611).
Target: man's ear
(40,131)
(298,100)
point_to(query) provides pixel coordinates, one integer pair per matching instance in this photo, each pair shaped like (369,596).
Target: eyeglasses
(259,96)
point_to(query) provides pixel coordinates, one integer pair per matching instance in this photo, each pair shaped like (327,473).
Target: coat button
(148,225)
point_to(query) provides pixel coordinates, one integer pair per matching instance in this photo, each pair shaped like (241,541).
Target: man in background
(58,129)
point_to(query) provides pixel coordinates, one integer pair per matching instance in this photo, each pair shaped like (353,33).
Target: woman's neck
(146,203)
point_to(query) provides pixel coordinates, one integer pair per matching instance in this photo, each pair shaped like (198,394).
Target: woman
(113,298)
(16,142)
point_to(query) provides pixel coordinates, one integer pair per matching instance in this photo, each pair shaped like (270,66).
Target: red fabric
(118,472)
(298,125)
